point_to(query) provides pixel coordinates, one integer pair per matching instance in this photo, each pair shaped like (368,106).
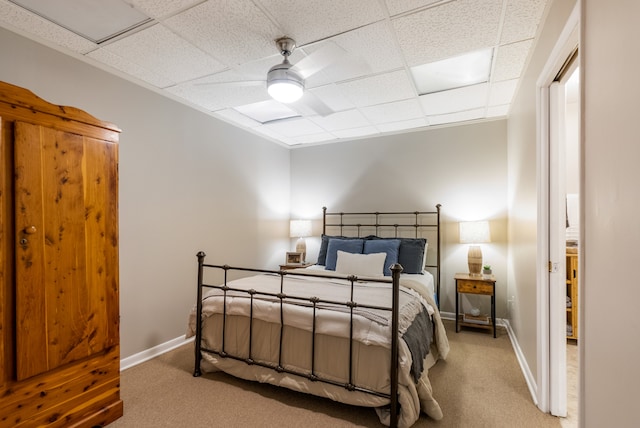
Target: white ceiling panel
(159,9)
(125,66)
(502,92)
(16,18)
(152,46)
(393,112)
(396,7)
(462,116)
(355,58)
(521,20)
(461,99)
(233,32)
(357,132)
(451,29)
(510,60)
(402,125)
(319,19)
(383,88)
(342,120)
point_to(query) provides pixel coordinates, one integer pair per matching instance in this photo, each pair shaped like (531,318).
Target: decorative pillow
(346,245)
(360,264)
(388,246)
(411,255)
(322,254)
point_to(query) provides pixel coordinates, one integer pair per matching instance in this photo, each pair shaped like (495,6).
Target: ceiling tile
(16,17)
(497,111)
(237,118)
(521,20)
(368,50)
(393,112)
(462,116)
(460,99)
(341,120)
(400,6)
(334,97)
(209,94)
(241,33)
(447,30)
(314,20)
(510,60)
(402,125)
(124,65)
(356,132)
(314,138)
(166,54)
(294,127)
(158,9)
(502,92)
(379,89)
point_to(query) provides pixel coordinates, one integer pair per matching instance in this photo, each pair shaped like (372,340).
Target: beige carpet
(480,385)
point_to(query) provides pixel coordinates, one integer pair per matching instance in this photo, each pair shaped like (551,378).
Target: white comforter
(371,338)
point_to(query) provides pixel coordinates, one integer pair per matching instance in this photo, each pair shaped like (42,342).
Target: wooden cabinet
(572,293)
(59,308)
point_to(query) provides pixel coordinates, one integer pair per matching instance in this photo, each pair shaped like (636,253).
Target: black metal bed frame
(285,299)
(429,220)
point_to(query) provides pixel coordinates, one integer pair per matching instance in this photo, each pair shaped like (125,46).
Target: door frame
(549,386)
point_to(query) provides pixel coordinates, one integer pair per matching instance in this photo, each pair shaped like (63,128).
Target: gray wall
(523,191)
(610,64)
(188,182)
(462,167)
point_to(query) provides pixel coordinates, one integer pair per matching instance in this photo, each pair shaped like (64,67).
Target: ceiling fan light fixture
(284,84)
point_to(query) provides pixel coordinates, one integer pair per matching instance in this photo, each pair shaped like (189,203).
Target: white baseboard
(141,357)
(528,376)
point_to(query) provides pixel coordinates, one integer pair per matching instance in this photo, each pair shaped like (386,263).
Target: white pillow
(360,264)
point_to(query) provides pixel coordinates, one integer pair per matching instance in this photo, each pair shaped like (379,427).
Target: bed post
(438,258)
(396,269)
(196,370)
(324,220)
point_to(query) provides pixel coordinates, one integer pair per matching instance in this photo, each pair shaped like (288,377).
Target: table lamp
(474,232)
(300,229)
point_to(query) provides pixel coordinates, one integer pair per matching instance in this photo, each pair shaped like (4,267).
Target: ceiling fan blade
(325,56)
(309,101)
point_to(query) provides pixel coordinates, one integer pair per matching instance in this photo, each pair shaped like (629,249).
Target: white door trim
(563,48)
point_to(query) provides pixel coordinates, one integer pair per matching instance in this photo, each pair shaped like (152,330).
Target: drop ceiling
(360,57)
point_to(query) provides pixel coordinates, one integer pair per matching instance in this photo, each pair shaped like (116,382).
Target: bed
(326,329)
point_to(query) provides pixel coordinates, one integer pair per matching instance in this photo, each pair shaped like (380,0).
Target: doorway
(552,220)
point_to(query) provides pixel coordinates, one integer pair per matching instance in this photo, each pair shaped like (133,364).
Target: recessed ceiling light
(455,72)
(267,111)
(95,20)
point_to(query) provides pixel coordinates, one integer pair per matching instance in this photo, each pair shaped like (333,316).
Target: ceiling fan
(285,82)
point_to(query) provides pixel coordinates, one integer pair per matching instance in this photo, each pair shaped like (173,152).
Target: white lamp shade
(285,92)
(300,228)
(474,232)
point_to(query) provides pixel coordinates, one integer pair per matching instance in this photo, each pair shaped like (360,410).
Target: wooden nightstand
(295,266)
(485,285)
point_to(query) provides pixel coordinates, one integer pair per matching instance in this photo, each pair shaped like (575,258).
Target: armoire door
(66,263)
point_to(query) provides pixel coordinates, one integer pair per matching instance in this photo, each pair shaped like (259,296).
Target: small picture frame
(294,258)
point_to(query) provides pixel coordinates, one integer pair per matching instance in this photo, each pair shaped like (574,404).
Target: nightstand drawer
(474,287)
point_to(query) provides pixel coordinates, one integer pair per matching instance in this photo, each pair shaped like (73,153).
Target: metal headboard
(400,223)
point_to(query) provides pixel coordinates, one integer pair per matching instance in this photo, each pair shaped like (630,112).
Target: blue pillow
(322,253)
(389,246)
(410,254)
(346,245)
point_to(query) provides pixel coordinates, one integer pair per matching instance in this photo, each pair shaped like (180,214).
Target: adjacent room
(152,143)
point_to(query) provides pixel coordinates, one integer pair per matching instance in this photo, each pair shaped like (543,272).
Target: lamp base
(301,247)
(475,260)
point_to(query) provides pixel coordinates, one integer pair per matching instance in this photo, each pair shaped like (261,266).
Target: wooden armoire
(59,309)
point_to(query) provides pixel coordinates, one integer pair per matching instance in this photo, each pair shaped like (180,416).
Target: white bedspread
(371,338)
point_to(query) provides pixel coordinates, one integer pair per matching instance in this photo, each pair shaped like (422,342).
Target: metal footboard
(313,302)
